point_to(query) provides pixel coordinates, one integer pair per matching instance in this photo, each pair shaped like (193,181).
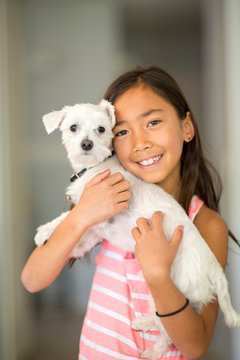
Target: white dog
(87,136)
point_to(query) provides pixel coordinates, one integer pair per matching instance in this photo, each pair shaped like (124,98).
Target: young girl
(156,139)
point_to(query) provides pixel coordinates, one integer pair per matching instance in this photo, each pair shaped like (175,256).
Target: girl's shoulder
(214,230)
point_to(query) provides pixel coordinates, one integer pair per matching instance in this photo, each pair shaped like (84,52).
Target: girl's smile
(149,136)
(150,162)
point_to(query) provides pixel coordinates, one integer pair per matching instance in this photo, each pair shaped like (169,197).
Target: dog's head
(86,132)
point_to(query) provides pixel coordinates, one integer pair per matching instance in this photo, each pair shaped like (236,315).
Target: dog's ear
(53,120)
(110,110)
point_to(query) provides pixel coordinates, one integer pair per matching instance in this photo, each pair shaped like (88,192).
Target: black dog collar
(80,173)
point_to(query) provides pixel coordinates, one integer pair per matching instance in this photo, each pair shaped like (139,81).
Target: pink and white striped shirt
(118,296)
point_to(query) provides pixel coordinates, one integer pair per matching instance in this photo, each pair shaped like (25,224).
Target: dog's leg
(145,323)
(161,345)
(45,231)
(158,349)
(152,323)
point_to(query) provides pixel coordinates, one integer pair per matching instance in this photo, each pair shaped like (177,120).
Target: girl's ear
(53,120)
(110,110)
(188,128)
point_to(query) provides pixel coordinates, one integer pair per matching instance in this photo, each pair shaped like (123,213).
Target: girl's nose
(141,142)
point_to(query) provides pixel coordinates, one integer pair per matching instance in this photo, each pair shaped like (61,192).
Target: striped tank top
(118,296)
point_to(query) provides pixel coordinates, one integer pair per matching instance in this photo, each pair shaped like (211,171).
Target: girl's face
(149,137)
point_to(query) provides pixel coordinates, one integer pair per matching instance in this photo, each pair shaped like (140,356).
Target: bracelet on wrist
(174,312)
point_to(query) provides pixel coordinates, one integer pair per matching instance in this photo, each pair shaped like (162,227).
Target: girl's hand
(154,253)
(104,196)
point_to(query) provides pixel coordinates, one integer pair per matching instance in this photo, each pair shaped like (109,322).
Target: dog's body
(195,271)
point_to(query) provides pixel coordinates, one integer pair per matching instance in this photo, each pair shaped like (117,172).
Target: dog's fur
(195,271)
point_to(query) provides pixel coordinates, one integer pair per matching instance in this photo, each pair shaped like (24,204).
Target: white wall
(221,125)
(231,12)
(7,294)
(15,307)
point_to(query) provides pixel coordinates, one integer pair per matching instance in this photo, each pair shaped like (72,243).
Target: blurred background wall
(56,52)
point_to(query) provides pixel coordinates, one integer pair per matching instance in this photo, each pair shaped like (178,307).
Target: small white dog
(87,136)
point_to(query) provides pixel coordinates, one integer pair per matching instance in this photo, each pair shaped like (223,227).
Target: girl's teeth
(150,161)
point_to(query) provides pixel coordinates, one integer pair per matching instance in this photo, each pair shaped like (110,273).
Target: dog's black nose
(87,144)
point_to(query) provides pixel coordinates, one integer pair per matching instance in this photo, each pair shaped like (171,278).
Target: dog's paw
(151,354)
(43,234)
(145,323)
(157,350)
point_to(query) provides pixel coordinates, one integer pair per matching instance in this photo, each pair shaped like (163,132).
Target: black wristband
(174,312)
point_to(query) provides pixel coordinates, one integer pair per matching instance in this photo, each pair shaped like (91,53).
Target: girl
(156,139)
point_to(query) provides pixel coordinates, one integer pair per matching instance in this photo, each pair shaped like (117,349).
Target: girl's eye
(73,128)
(121,133)
(101,129)
(154,122)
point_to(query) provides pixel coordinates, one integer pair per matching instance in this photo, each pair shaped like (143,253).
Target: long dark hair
(198,175)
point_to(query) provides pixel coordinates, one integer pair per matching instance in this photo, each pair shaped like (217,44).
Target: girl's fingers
(135,233)
(177,237)
(142,224)
(99,177)
(123,196)
(115,178)
(122,206)
(122,186)
(157,219)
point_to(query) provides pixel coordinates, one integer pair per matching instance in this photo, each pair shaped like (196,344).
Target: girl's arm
(103,197)
(190,332)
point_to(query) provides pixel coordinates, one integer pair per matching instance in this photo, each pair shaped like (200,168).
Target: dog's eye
(101,129)
(73,128)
